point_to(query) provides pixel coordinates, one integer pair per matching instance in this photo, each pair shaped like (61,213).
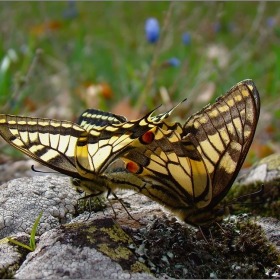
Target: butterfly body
(187,168)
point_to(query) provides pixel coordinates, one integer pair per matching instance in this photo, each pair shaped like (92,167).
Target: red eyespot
(147,138)
(133,167)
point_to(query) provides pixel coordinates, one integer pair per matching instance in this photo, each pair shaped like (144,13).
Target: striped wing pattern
(81,149)
(47,141)
(188,168)
(102,145)
(176,172)
(223,132)
(216,141)
(94,118)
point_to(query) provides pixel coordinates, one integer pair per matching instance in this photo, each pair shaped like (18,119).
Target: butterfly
(187,168)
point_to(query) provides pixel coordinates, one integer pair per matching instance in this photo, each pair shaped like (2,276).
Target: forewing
(223,132)
(50,142)
(105,143)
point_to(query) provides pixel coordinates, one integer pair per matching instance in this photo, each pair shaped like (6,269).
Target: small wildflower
(270,21)
(71,11)
(186,38)
(172,62)
(175,62)
(152,30)
(216,27)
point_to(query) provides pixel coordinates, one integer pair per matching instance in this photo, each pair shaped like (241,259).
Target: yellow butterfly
(188,168)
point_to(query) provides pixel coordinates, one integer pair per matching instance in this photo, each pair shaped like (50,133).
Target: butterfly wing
(222,134)
(175,174)
(94,118)
(50,142)
(191,170)
(74,149)
(108,137)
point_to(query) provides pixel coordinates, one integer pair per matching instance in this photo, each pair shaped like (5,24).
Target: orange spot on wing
(147,138)
(133,167)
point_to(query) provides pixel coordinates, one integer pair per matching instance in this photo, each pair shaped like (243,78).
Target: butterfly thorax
(93,187)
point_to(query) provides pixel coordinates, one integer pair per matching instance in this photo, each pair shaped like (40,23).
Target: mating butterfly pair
(188,168)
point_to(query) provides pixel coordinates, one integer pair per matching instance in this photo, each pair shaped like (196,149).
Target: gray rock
(78,247)
(265,170)
(11,256)
(87,250)
(271,227)
(21,201)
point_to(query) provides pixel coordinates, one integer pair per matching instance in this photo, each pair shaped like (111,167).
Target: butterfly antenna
(166,114)
(235,200)
(39,171)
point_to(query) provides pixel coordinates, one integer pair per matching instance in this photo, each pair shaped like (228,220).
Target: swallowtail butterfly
(187,168)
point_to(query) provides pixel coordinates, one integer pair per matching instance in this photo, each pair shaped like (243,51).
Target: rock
(271,227)
(11,257)
(21,201)
(62,251)
(98,249)
(100,245)
(265,170)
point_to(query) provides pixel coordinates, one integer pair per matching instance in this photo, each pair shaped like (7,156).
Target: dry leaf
(124,108)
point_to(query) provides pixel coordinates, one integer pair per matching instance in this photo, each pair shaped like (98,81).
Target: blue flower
(174,61)
(152,30)
(216,27)
(186,38)
(71,11)
(270,21)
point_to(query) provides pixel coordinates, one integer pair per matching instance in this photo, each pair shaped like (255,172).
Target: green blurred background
(59,58)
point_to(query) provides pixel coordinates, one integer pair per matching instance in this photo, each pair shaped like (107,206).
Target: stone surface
(21,201)
(72,252)
(271,226)
(10,256)
(72,245)
(265,170)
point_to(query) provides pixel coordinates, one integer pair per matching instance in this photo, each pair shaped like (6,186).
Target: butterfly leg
(120,201)
(89,199)
(201,231)
(108,193)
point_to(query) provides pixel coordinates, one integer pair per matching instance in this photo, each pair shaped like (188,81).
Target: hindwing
(190,172)
(223,132)
(176,172)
